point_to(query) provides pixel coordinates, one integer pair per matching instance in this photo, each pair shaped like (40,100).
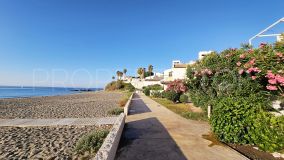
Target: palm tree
(140,72)
(150,70)
(124,72)
(118,74)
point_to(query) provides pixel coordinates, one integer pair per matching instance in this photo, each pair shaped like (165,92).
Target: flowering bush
(275,81)
(177,86)
(228,81)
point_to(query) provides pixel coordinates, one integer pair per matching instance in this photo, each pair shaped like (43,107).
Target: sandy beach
(41,142)
(81,105)
(51,142)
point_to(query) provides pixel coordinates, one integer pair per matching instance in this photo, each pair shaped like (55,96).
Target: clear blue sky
(84,42)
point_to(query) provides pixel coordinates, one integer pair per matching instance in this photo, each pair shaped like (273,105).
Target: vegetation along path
(154,132)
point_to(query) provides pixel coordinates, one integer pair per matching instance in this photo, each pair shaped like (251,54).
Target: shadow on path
(146,138)
(138,106)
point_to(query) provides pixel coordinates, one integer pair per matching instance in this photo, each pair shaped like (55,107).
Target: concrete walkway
(56,122)
(153,132)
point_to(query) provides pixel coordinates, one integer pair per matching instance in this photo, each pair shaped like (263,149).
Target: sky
(82,43)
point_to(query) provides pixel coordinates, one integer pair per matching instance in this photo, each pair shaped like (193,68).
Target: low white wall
(139,84)
(109,147)
(126,107)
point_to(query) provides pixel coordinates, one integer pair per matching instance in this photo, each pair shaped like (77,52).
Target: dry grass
(122,102)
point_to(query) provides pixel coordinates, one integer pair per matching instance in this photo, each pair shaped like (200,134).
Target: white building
(178,71)
(280,38)
(140,83)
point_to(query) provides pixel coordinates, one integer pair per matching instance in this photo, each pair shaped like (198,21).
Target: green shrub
(155,87)
(156,94)
(245,122)
(111,86)
(232,118)
(146,91)
(200,99)
(129,87)
(172,96)
(116,111)
(115,85)
(91,142)
(119,84)
(183,98)
(268,132)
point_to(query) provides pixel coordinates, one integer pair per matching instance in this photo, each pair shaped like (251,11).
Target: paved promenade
(56,122)
(153,132)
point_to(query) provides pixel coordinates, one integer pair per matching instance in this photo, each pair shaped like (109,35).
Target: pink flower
(279,54)
(279,78)
(209,72)
(272,81)
(262,45)
(252,61)
(239,63)
(250,51)
(242,56)
(270,75)
(255,69)
(241,71)
(206,72)
(253,77)
(271,88)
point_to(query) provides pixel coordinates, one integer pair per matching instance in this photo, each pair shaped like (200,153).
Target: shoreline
(62,94)
(71,93)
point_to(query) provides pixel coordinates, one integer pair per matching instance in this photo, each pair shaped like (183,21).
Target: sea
(23,92)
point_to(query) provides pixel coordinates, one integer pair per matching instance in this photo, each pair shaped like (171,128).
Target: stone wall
(109,147)
(126,107)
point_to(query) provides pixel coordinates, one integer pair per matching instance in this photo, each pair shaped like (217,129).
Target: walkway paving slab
(154,132)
